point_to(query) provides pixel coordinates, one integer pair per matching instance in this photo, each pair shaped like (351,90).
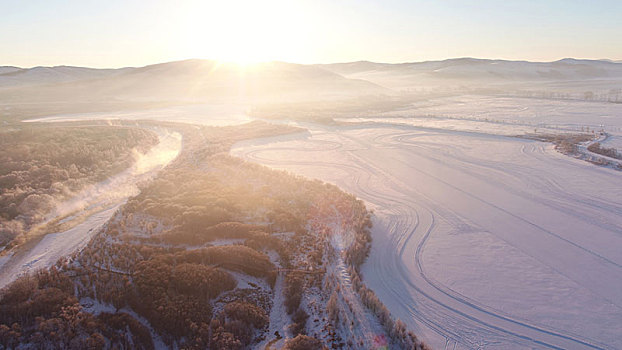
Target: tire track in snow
(460,298)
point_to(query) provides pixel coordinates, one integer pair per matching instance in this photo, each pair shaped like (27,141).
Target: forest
(609,152)
(42,165)
(198,259)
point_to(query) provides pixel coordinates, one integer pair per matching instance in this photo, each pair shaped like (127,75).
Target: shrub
(303,342)
(248,313)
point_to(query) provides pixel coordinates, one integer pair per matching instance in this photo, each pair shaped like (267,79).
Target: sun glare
(246,32)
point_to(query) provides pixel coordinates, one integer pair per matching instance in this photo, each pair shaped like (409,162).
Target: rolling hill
(473,71)
(190,80)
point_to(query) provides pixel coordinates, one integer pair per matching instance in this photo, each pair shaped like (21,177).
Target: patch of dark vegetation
(565,143)
(608,152)
(568,144)
(303,342)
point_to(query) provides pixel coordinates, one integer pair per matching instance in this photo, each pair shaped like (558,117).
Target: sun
(245,32)
(242,51)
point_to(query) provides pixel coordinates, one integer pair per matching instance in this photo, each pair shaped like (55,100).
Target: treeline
(611,95)
(357,222)
(344,215)
(44,164)
(568,144)
(357,253)
(565,143)
(609,152)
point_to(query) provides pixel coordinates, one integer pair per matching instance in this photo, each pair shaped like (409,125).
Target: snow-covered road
(480,241)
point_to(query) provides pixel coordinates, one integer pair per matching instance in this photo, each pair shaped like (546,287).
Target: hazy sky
(117,33)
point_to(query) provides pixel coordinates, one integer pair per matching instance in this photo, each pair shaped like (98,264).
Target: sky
(119,33)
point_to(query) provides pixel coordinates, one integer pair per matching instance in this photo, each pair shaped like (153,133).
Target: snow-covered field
(480,241)
(100,201)
(506,116)
(206,114)
(562,113)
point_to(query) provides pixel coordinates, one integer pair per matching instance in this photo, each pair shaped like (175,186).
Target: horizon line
(608,60)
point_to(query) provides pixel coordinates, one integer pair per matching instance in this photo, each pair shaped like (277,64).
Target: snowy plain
(217,115)
(503,115)
(480,240)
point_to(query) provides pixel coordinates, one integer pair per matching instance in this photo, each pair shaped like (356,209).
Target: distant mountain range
(190,80)
(14,76)
(206,80)
(473,71)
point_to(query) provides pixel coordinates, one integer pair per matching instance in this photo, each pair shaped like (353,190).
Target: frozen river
(480,241)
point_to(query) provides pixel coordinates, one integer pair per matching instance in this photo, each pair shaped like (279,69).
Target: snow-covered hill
(14,76)
(478,71)
(8,69)
(280,81)
(189,80)
(567,69)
